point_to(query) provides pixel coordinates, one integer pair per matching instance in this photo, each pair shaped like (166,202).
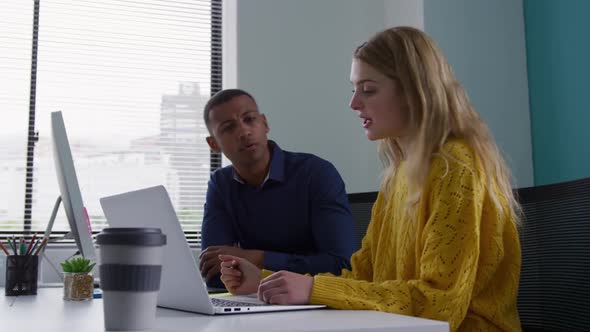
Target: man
(280,210)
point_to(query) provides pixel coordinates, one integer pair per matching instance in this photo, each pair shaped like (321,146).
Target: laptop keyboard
(217,302)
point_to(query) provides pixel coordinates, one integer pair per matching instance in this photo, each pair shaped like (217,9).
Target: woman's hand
(286,288)
(238,275)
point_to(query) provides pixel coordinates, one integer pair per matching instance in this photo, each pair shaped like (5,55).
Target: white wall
(294,57)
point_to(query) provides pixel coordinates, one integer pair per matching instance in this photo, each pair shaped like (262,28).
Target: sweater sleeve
(446,262)
(362,260)
(361,265)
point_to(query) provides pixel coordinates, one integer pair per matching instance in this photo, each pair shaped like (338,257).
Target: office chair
(361,205)
(555,275)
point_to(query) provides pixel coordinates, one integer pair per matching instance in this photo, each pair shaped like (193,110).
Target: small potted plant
(78,281)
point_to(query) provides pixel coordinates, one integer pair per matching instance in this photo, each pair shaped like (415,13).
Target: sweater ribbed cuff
(327,290)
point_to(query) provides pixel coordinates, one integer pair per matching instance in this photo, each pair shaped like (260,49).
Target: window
(131,79)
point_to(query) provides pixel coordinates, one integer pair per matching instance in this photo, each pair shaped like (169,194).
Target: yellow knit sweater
(458,261)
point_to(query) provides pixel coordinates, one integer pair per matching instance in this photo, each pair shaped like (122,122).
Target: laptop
(181,284)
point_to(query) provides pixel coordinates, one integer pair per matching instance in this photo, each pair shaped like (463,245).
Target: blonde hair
(437,109)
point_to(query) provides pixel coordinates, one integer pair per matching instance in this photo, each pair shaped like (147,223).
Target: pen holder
(21,275)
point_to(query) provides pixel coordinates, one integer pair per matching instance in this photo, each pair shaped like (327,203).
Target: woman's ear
(213,144)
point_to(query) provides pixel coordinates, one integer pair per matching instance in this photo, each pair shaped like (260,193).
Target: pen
(41,246)
(35,246)
(31,244)
(21,246)
(14,245)
(10,244)
(4,248)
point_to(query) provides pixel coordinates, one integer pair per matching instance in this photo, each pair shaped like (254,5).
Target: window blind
(16,20)
(131,79)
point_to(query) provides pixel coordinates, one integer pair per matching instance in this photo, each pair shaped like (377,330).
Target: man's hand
(238,275)
(285,287)
(209,262)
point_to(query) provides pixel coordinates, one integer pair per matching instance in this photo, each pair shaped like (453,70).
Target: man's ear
(213,144)
(265,123)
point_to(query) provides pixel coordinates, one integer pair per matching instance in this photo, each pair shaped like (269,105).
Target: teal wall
(558,61)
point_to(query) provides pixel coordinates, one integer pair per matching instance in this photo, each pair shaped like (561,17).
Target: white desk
(48,312)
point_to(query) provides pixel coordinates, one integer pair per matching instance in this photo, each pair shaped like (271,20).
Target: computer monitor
(71,197)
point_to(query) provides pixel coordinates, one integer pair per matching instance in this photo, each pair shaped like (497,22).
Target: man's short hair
(220,98)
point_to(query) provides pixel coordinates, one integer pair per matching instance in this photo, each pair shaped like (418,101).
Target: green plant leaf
(77,265)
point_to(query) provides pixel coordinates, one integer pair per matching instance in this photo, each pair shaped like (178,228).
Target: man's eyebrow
(224,122)
(233,120)
(248,112)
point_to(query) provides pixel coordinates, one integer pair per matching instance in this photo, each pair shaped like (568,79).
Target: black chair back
(554,289)
(361,205)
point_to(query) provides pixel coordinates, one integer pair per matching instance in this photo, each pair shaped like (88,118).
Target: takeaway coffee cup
(130,264)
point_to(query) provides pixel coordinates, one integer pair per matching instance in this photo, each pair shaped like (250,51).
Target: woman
(442,242)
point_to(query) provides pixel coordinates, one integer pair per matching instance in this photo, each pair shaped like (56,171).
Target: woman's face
(378,102)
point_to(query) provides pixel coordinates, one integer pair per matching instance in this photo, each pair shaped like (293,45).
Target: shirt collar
(276,171)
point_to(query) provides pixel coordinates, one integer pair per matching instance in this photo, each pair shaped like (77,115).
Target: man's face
(239,131)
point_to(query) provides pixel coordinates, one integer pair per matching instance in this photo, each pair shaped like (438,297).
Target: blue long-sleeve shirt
(299,216)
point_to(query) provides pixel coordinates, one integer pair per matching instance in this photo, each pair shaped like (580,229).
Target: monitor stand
(41,253)
(68,235)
